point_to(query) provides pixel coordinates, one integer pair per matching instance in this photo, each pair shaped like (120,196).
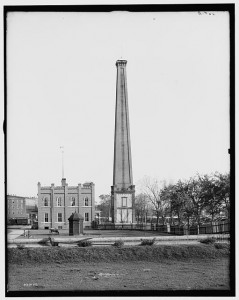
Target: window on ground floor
(86,216)
(46,217)
(59,217)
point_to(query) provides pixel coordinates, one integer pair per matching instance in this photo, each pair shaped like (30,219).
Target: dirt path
(170,275)
(14,233)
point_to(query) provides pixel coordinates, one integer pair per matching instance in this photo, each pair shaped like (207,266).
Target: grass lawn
(196,274)
(165,267)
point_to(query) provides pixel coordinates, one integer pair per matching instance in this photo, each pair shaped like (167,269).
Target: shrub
(118,243)
(147,242)
(162,253)
(209,240)
(21,247)
(54,244)
(221,245)
(44,241)
(85,243)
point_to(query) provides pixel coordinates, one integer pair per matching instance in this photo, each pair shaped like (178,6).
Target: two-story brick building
(16,209)
(57,203)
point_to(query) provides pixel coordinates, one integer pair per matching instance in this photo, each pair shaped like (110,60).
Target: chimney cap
(121,62)
(63,182)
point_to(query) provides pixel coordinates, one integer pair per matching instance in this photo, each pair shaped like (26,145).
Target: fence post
(168,228)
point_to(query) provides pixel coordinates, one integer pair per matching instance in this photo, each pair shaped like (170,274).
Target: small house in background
(16,210)
(57,203)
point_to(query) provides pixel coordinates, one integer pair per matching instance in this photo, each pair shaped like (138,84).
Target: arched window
(86,201)
(58,200)
(73,201)
(46,202)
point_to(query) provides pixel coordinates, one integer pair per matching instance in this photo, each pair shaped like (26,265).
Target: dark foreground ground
(197,274)
(187,267)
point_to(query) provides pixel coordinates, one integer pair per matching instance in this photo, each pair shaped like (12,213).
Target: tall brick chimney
(123,190)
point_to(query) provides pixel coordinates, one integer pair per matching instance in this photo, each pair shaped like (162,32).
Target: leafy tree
(181,205)
(168,193)
(208,193)
(177,201)
(105,205)
(211,194)
(196,195)
(223,180)
(188,210)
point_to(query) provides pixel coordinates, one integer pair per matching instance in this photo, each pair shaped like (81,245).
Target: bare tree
(142,207)
(152,188)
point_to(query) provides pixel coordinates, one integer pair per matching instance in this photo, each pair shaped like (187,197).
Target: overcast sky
(61,87)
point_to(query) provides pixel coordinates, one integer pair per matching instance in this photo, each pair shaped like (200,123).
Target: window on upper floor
(86,201)
(73,201)
(46,201)
(58,201)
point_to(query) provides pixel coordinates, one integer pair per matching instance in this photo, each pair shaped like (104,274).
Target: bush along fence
(222,227)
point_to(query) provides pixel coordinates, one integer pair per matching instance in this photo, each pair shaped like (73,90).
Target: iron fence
(218,228)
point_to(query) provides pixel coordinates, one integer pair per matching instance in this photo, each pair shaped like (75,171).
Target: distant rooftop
(9,195)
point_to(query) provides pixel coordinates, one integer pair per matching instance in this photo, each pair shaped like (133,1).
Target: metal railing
(168,229)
